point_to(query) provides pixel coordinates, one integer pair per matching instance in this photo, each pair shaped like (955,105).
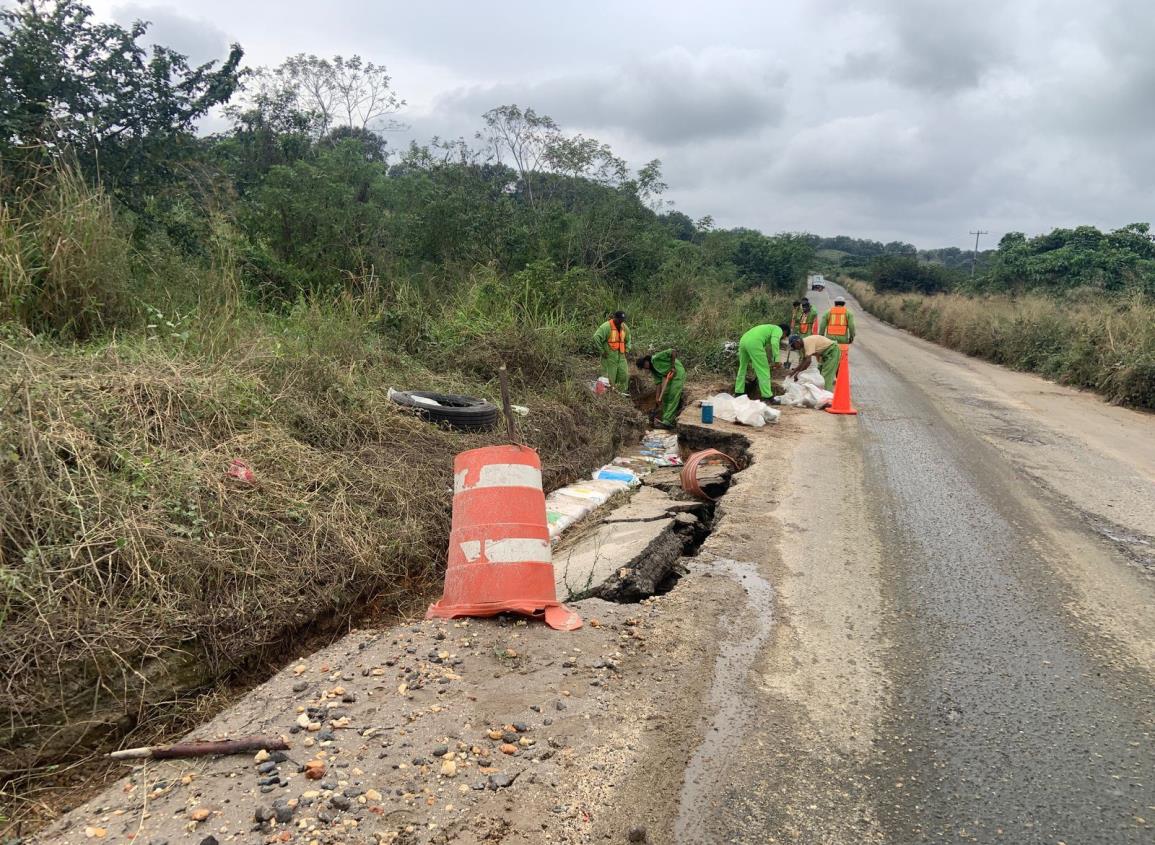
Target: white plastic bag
(748,412)
(771,415)
(794,396)
(723,407)
(811,375)
(816,397)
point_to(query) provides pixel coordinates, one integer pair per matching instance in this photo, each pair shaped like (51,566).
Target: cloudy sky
(891,119)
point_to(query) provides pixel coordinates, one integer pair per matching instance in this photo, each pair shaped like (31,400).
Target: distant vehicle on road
(817,281)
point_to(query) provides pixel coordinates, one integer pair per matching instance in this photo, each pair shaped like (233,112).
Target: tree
(525,137)
(68,83)
(349,92)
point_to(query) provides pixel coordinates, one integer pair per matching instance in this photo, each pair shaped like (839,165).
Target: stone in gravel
(340,802)
(262,814)
(547,721)
(210,840)
(266,767)
(509,736)
(520,727)
(440,750)
(315,769)
(536,708)
(326,736)
(199,814)
(329,784)
(560,705)
(494,735)
(353,791)
(448,769)
(300,686)
(267,788)
(348,698)
(373,795)
(261,756)
(270,780)
(500,780)
(637,834)
(508,748)
(279,757)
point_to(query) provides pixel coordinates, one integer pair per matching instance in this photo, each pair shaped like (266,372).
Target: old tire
(454,411)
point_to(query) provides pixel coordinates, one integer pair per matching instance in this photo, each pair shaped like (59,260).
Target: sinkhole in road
(640,548)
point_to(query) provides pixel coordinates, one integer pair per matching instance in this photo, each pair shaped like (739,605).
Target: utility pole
(975,254)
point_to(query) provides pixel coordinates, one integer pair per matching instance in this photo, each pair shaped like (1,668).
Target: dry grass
(134,571)
(1103,344)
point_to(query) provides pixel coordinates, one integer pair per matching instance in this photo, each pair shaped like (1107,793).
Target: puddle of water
(733,714)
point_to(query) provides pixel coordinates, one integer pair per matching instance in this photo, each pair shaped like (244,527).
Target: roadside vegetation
(171,303)
(1074,305)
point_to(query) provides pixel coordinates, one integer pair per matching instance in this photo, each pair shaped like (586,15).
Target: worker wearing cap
(828,352)
(838,323)
(752,354)
(613,342)
(670,376)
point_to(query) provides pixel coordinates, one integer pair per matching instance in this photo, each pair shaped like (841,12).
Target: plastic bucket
(707,413)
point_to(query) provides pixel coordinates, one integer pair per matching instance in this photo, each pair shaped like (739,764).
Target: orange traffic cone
(500,558)
(841,403)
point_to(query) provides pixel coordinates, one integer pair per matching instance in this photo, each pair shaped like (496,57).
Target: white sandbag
(748,412)
(812,375)
(611,472)
(816,397)
(771,415)
(723,407)
(794,396)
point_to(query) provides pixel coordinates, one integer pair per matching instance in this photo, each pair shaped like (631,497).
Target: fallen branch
(202,749)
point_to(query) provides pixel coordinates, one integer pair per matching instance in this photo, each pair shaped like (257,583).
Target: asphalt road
(966,592)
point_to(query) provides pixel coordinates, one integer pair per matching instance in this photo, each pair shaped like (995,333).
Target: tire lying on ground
(460,412)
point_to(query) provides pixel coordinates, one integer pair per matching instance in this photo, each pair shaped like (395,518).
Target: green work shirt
(768,335)
(602,338)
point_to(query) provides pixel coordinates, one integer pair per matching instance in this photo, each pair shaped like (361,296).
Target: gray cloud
(672,98)
(200,40)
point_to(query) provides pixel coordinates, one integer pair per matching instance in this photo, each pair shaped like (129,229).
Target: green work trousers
(828,365)
(753,355)
(672,398)
(616,368)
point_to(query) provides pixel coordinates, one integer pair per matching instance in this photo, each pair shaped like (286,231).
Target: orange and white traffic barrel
(499,547)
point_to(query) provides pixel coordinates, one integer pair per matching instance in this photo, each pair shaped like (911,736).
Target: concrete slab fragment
(601,555)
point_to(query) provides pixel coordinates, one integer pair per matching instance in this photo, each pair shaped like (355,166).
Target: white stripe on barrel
(500,475)
(509,550)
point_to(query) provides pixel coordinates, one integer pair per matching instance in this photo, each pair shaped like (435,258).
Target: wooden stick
(503,377)
(242,745)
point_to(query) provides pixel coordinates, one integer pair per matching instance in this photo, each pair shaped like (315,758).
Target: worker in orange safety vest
(838,323)
(613,342)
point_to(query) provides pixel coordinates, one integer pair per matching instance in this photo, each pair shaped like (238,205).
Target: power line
(975,254)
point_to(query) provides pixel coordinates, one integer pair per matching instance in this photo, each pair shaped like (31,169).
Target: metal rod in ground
(241,745)
(503,377)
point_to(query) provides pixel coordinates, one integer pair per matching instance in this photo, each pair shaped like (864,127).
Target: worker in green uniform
(752,353)
(829,356)
(670,376)
(614,343)
(838,323)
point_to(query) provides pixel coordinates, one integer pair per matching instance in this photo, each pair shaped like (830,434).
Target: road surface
(965,604)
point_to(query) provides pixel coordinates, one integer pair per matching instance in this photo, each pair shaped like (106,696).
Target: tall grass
(1102,344)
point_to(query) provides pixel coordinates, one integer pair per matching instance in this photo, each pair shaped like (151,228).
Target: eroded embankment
(468,731)
(143,584)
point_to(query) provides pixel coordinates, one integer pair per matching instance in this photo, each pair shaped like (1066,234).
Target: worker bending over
(670,376)
(828,352)
(752,353)
(613,342)
(838,323)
